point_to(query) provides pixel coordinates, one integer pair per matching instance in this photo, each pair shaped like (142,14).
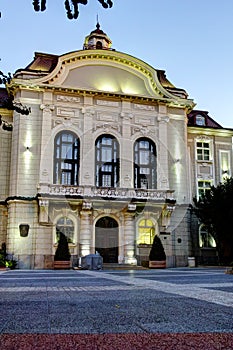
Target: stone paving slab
(132,303)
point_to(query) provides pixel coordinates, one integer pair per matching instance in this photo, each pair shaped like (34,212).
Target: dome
(98,40)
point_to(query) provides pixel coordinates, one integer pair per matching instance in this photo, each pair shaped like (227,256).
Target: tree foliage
(215,210)
(157,252)
(10,104)
(71,6)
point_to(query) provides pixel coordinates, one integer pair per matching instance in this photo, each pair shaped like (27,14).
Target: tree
(10,104)
(215,210)
(157,252)
(71,6)
(62,252)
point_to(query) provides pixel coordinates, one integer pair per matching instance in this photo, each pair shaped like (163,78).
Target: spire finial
(97,25)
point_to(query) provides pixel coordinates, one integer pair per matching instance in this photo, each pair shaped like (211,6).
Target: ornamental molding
(163,118)
(69,99)
(108,117)
(106,127)
(144,130)
(47,107)
(107,103)
(65,112)
(144,107)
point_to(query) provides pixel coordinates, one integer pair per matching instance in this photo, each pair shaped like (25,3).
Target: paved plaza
(120,302)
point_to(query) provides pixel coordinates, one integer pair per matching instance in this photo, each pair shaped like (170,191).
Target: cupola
(97,40)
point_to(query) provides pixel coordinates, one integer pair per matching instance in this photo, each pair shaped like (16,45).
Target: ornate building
(111,154)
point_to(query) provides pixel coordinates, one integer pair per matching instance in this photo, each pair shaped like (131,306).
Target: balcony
(106,193)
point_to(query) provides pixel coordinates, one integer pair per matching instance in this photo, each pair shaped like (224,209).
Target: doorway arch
(106,239)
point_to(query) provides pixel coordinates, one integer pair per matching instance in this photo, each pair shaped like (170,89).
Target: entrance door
(106,239)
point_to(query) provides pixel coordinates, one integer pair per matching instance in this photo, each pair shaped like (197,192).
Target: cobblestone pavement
(178,308)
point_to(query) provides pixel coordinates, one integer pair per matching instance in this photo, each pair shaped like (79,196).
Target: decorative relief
(89,112)
(107,117)
(107,103)
(126,115)
(144,107)
(144,120)
(163,118)
(68,98)
(144,130)
(107,127)
(47,107)
(65,112)
(203,138)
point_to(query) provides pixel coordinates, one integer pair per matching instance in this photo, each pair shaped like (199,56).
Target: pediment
(112,72)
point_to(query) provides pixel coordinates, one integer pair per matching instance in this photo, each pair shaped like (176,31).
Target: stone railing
(96,192)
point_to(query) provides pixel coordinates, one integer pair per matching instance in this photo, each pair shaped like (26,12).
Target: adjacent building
(111,154)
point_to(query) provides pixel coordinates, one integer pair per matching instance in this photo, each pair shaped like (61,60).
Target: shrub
(157,251)
(62,252)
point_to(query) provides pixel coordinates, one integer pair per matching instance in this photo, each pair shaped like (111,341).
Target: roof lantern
(97,40)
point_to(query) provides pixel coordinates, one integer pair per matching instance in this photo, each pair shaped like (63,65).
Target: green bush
(157,251)
(62,252)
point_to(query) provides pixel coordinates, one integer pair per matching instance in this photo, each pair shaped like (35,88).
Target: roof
(201,119)
(42,62)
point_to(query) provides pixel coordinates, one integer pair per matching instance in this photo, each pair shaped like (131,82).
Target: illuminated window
(146,232)
(107,161)
(203,151)
(145,164)
(66,159)
(225,167)
(66,226)
(206,240)
(203,186)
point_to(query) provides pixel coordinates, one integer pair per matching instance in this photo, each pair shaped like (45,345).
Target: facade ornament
(163,118)
(47,107)
(144,107)
(69,99)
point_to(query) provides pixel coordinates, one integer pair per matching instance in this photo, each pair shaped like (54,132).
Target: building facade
(111,154)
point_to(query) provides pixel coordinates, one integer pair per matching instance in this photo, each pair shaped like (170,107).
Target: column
(129,241)
(163,119)
(85,232)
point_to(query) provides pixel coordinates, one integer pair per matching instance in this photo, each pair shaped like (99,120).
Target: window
(145,164)
(66,159)
(200,120)
(225,168)
(107,161)
(66,226)
(203,151)
(203,186)
(146,232)
(206,240)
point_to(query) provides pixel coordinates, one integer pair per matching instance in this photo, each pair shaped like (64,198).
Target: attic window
(200,120)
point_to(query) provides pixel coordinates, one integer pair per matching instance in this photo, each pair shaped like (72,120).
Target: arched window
(66,226)
(66,159)
(146,231)
(206,240)
(145,174)
(107,161)
(99,45)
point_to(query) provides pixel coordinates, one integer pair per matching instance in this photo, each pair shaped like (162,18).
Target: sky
(190,39)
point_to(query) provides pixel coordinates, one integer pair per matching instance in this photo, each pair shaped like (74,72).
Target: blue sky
(190,39)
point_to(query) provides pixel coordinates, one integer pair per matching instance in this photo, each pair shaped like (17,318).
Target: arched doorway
(106,239)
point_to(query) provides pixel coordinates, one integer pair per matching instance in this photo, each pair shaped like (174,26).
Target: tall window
(206,240)
(66,226)
(145,164)
(203,151)
(66,159)
(146,232)
(107,161)
(203,186)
